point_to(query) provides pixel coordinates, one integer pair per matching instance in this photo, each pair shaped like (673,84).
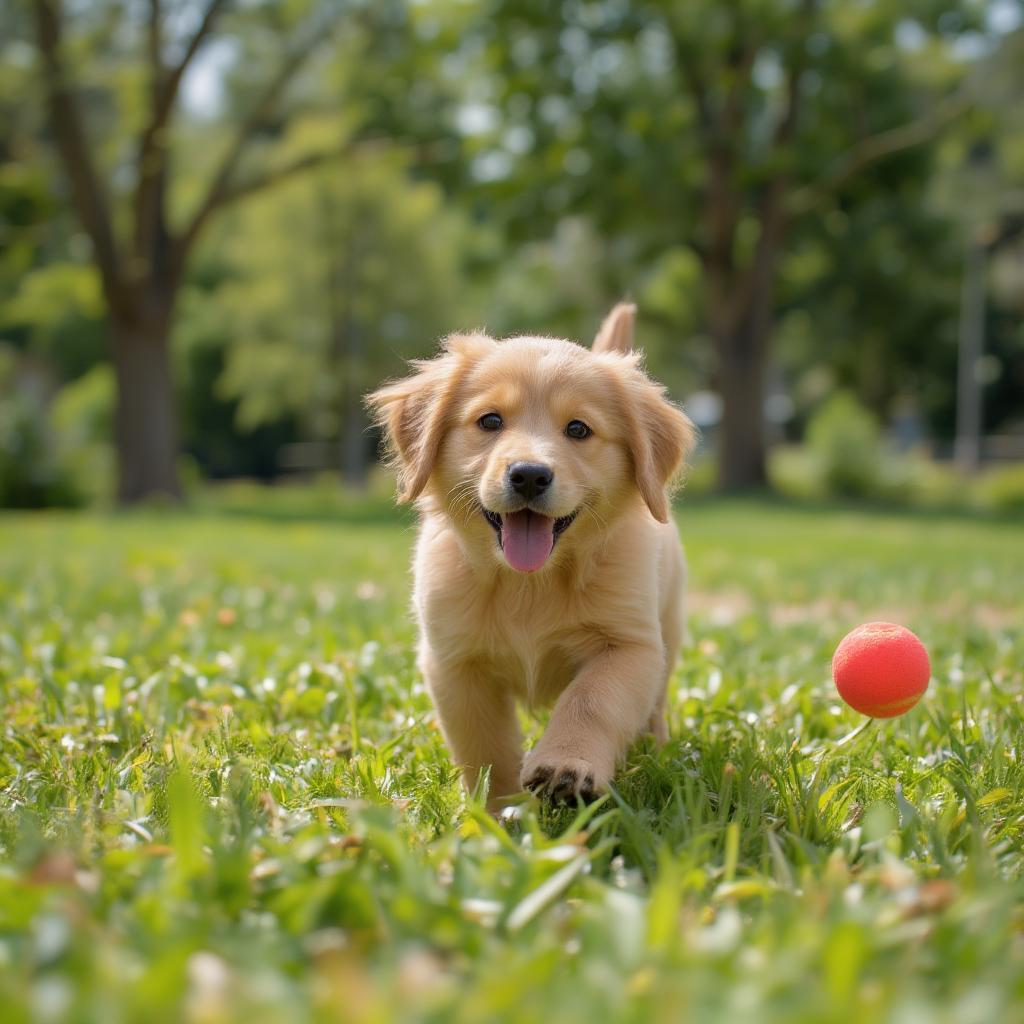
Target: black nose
(529,479)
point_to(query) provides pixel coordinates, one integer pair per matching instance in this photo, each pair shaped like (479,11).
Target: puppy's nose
(529,478)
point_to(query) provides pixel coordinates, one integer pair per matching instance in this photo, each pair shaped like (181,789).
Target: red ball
(881,669)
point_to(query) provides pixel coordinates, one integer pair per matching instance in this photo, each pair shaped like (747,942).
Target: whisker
(462,498)
(588,507)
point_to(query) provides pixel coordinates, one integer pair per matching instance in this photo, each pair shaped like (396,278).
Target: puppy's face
(536,448)
(532,444)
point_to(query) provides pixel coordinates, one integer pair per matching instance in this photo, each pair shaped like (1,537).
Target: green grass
(223,795)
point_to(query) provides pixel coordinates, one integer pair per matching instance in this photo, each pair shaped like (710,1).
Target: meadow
(223,794)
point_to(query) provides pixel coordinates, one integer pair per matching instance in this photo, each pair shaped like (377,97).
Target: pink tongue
(526,539)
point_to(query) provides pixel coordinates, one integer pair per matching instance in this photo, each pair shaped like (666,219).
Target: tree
(142,253)
(372,276)
(723,126)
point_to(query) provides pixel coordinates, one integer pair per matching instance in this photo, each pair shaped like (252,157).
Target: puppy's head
(532,443)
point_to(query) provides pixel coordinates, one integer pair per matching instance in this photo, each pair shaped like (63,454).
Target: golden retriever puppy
(547,568)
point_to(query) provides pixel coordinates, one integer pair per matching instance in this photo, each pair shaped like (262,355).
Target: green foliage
(911,480)
(521,165)
(54,452)
(83,412)
(59,308)
(569,111)
(225,796)
(1001,489)
(845,440)
(31,475)
(82,419)
(329,284)
(26,479)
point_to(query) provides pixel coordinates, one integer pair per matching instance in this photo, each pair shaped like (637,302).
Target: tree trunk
(742,328)
(741,378)
(146,431)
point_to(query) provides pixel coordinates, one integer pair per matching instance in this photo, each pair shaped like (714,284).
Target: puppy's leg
(673,629)
(657,726)
(596,718)
(478,720)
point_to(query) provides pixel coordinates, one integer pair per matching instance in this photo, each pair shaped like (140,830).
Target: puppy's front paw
(563,779)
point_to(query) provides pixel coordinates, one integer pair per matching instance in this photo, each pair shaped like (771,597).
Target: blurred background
(222,222)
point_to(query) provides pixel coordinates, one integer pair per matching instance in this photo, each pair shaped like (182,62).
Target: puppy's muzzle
(529,479)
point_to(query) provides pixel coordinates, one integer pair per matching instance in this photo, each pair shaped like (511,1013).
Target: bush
(30,474)
(1001,490)
(915,479)
(793,473)
(82,418)
(844,457)
(699,477)
(844,440)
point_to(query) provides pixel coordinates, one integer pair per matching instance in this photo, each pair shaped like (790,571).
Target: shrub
(82,418)
(793,473)
(699,477)
(30,474)
(845,441)
(1001,490)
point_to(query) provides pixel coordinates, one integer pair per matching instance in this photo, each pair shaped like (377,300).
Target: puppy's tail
(616,333)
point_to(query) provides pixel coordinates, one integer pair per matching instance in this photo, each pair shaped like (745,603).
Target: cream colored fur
(594,633)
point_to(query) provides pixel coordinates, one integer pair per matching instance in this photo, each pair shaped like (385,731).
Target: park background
(224,223)
(223,792)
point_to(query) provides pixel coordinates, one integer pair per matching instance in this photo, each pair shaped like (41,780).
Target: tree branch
(168,92)
(154,39)
(87,190)
(785,128)
(221,190)
(695,84)
(877,147)
(276,175)
(722,196)
(150,223)
(754,287)
(148,205)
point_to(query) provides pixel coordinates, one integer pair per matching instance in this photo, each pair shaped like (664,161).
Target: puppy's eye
(490,421)
(577,430)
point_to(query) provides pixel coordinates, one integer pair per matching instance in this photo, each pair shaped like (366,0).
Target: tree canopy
(254,211)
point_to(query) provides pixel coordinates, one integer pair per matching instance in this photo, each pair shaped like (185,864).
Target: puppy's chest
(534,643)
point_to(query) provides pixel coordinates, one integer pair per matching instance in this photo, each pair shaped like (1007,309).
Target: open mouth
(526,537)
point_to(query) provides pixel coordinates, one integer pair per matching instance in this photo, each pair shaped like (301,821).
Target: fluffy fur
(595,630)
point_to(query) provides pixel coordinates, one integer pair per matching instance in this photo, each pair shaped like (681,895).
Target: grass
(223,795)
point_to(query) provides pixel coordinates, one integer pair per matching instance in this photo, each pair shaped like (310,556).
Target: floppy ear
(415,412)
(616,333)
(661,436)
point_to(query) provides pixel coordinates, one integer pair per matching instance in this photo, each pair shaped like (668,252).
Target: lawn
(223,795)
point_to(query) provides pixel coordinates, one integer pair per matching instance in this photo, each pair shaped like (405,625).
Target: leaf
(995,796)
(188,833)
(732,850)
(744,889)
(529,907)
